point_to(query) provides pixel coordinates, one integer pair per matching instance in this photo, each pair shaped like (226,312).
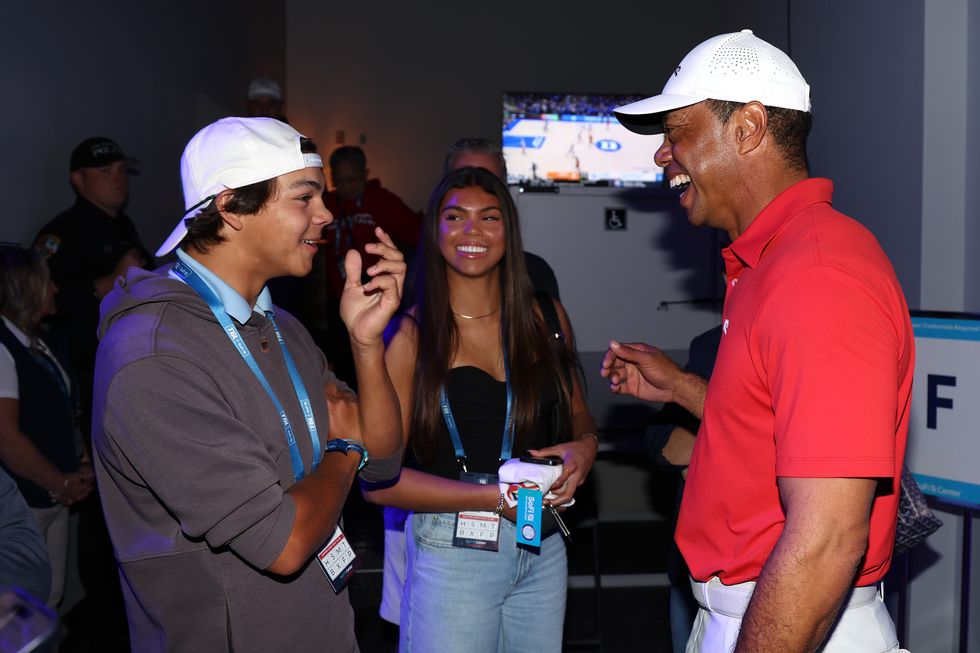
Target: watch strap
(343,445)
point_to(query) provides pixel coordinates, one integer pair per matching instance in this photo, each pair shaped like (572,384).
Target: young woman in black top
(475,343)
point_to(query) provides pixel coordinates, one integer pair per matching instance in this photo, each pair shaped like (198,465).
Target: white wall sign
(944,443)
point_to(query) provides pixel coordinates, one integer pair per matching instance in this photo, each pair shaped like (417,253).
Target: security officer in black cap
(88,246)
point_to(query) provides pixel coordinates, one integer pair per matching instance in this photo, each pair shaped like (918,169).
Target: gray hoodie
(193,465)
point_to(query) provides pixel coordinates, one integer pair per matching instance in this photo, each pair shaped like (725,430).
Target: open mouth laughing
(680,183)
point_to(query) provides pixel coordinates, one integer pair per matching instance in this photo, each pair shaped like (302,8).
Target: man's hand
(640,370)
(366,309)
(647,373)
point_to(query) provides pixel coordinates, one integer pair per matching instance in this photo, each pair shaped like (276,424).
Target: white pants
(53,525)
(393,576)
(864,625)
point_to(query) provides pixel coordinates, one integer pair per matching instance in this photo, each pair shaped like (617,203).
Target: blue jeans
(474,601)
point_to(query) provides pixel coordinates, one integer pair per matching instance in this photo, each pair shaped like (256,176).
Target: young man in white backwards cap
(788,517)
(222,468)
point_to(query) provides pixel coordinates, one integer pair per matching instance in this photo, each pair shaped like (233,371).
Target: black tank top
(479,405)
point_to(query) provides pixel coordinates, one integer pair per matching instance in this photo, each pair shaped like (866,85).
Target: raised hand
(647,373)
(367,308)
(639,370)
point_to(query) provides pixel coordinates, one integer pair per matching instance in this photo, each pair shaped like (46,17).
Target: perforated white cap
(231,153)
(736,67)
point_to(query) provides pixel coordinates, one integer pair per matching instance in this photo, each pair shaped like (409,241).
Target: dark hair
(477,145)
(24,286)
(204,229)
(438,337)
(348,154)
(789,129)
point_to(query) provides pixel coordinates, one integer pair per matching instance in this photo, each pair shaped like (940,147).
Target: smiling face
(471,232)
(280,236)
(698,159)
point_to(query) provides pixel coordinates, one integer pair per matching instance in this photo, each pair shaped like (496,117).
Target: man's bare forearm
(319,500)
(795,602)
(690,391)
(380,414)
(803,583)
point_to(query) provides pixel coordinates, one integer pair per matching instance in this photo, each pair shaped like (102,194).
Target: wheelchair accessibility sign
(615,219)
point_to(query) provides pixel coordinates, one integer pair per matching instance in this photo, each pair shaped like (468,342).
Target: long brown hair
(438,337)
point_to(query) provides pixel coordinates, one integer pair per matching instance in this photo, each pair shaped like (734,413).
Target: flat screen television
(573,138)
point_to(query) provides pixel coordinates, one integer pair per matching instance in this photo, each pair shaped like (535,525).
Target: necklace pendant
(264,344)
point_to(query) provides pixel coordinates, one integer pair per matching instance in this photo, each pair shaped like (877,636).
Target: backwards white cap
(231,153)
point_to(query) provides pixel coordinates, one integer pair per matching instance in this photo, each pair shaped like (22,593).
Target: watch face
(527,532)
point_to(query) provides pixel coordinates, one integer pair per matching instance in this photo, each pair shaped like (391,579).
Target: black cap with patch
(99,151)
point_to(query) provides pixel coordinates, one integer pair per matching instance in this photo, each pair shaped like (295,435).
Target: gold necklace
(474,317)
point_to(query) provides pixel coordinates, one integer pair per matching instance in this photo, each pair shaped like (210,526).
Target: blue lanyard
(507,440)
(193,280)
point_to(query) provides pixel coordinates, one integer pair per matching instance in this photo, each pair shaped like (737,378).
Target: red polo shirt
(813,379)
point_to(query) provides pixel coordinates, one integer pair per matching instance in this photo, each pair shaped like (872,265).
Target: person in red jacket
(358,205)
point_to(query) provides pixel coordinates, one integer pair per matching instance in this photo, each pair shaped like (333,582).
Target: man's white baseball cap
(736,67)
(231,153)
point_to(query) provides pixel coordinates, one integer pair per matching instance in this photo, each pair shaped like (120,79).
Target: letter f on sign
(934,401)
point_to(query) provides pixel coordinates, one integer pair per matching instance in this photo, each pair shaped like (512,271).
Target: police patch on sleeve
(47,245)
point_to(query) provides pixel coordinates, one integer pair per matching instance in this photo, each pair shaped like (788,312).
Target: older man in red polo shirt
(789,514)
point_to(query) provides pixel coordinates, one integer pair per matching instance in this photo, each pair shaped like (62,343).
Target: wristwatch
(343,446)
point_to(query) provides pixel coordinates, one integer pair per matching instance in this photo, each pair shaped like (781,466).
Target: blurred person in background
(265,99)
(87,247)
(39,443)
(358,205)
